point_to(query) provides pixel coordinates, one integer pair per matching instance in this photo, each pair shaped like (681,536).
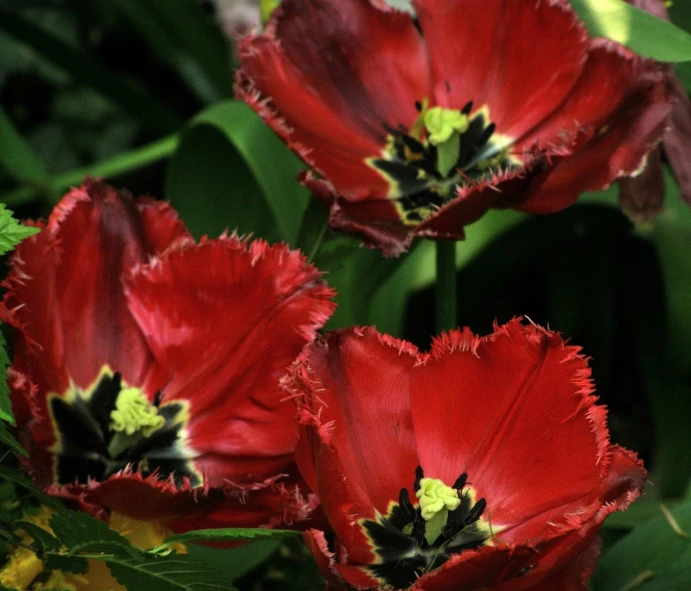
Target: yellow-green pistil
(436,500)
(444,129)
(133,413)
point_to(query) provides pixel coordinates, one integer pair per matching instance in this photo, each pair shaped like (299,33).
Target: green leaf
(231,171)
(235,562)
(110,167)
(5,404)
(671,236)
(81,533)
(654,546)
(169,573)
(16,155)
(70,564)
(228,534)
(23,481)
(85,69)
(11,231)
(640,31)
(7,439)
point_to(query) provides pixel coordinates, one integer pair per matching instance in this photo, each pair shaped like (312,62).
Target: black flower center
(91,445)
(425,174)
(400,543)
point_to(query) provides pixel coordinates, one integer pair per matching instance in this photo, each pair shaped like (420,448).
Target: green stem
(112,167)
(446,299)
(318,244)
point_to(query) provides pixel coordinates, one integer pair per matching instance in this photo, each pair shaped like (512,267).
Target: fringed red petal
(619,124)
(225,319)
(337,109)
(485,52)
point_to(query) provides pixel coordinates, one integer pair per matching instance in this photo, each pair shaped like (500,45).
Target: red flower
(642,197)
(146,366)
(418,127)
(500,438)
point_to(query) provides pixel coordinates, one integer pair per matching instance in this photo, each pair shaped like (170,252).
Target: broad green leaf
(187,37)
(643,510)
(227,534)
(231,171)
(11,231)
(9,441)
(86,70)
(16,155)
(651,551)
(671,236)
(645,34)
(674,579)
(170,573)
(235,562)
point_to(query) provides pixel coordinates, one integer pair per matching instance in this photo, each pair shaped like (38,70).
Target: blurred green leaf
(9,441)
(5,404)
(653,546)
(84,69)
(227,534)
(231,171)
(166,573)
(23,481)
(641,511)
(235,562)
(671,236)
(184,35)
(111,168)
(645,34)
(16,155)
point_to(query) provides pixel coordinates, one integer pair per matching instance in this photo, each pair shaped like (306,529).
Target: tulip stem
(446,298)
(318,244)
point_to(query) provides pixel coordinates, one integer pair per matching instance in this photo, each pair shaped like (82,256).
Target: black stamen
(476,512)
(419,475)
(467,108)
(486,134)
(412,144)
(460,481)
(406,505)
(418,105)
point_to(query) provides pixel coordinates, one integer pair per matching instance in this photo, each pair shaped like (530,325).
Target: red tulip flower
(146,366)
(418,126)
(485,464)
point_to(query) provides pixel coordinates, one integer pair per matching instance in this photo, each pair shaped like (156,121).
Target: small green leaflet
(9,441)
(227,534)
(644,33)
(11,234)
(11,231)
(167,573)
(5,405)
(84,537)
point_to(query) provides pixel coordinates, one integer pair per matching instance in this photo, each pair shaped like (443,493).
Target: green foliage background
(141,91)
